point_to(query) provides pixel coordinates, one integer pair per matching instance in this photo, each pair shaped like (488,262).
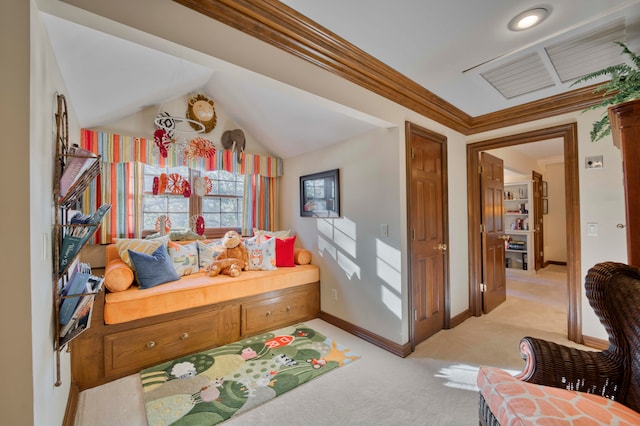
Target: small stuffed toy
(234,249)
(231,267)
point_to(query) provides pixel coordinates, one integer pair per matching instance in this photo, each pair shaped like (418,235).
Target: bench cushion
(514,402)
(200,290)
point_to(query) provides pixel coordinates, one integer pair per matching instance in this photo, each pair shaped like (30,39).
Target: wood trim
(572,197)
(277,24)
(594,342)
(562,103)
(386,344)
(72,406)
(460,318)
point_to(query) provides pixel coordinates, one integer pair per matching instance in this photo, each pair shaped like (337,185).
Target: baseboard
(460,318)
(554,262)
(386,344)
(72,406)
(595,343)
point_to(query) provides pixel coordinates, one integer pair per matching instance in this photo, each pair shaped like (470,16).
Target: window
(223,207)
(220,208)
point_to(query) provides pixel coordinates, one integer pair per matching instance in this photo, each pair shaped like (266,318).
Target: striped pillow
(138,245)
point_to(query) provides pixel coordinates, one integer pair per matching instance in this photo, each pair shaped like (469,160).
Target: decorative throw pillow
(284,251)
(139,245)
(118,276)
(184,258)
(278,234)
(262,254)
(207,252)
(153,269)
(301,256)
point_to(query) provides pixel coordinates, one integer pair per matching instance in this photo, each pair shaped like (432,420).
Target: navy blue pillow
(153,269)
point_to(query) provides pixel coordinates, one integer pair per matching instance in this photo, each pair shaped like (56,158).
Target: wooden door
(426,208)
(492,225)
(537,219)
(625,130)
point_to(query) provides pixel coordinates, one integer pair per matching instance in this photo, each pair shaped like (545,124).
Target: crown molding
(275,23)
(575,100)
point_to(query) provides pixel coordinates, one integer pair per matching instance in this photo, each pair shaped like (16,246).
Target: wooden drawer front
(269,313)
(130,351)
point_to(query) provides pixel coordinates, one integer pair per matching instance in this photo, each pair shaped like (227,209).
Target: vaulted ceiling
(455,62)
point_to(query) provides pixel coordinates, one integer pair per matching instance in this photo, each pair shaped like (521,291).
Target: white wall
(518,166)
(46,80)
(16,386)
(601,202)
(29,81)
(364,268)
(555,223)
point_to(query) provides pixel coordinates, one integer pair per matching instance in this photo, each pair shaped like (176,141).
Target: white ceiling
(444,46)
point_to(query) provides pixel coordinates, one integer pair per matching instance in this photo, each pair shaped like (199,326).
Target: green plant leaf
(623,86)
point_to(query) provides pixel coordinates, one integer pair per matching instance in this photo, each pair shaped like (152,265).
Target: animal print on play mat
(214,385)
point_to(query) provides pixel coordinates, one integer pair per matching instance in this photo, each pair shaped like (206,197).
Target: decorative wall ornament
(164,121)
(234,140)
(169,123)
(201,109)
(197,224)
(202,185)
(176,184)
(163,141)
(163,224)
(199,147)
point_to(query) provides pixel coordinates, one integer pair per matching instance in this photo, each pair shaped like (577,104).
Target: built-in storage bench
(106,352)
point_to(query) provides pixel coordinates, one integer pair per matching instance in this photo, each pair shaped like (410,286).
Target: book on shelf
(80,160)
(80,319)
(76,286)
(78,235)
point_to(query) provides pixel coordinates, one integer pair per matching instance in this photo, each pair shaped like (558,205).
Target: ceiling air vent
(588,53)
(524,75)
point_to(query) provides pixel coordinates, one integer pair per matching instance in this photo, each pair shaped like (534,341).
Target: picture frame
(320,194)
(545,189)
(545,206)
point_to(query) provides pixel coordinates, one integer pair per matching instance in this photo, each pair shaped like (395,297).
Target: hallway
(536,306)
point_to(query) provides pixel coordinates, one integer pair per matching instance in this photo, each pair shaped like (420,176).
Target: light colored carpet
(435,385)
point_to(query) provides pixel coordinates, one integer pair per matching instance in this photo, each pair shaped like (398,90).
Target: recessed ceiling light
(528,19)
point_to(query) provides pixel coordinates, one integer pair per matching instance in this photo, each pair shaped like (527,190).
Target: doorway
(427,212)
(568,133)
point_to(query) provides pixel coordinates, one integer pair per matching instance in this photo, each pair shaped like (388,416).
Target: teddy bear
(233,258)
(231,267)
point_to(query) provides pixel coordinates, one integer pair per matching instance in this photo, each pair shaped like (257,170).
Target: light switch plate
(592,229)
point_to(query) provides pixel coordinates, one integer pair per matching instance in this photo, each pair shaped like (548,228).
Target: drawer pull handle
(151,345)
(268,313)
(288,308)
(184,336)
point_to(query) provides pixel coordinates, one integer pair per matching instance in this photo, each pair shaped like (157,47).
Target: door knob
(441,247)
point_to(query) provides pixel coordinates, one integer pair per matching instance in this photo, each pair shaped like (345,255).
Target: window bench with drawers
(135,329)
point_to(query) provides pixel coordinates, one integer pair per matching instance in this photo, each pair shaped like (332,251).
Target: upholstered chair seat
(564,385)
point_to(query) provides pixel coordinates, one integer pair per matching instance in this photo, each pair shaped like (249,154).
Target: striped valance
(124,149)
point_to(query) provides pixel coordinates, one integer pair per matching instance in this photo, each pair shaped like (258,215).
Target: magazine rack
(69,238)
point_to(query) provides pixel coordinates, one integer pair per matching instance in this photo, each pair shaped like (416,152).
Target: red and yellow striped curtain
(120,183)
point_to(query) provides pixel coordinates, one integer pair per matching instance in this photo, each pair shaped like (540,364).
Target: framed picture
(545,206)
(320,194)
(545,189)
